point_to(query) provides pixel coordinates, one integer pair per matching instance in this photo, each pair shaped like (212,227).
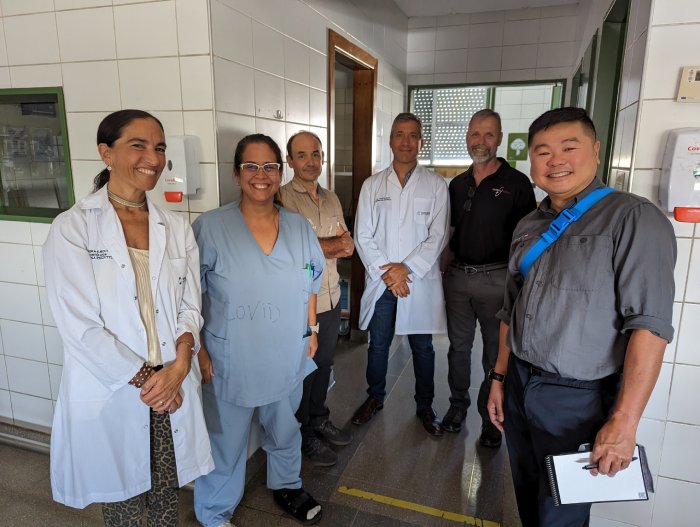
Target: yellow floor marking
(452,516)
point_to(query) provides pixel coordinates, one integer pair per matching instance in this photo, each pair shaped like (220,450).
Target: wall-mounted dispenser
(680,175)
(181,174)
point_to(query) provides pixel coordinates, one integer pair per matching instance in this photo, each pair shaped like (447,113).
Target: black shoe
(299,504)
(331,433)
(490,436)
(366,411)
(430,420)
(319,454)
(452,422)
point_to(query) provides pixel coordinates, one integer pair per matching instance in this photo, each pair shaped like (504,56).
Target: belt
(473,269)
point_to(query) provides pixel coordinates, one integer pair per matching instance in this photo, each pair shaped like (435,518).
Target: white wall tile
(487,17)
(517,75)
(683,407)
(657,407)
(560,29)
(318,71)
(682,229)
(55,379)
(542,74)
(15,232)
(657,117)
(3,48)
(275,129)
(25,305)
(692,288)
(197,90)
(560,10)
(163,91)
(318,108)
(35,76)
(687,351)
(668,41)
(531,13)
(484,59)
(54,345)
(23,340)
(46,315)
(18,264)
(455,37)
(242,99)
(82,128)
(78,75)
(421,63)
(232,34)
(681,269)
(555,55)
(486,35)
(637,513)
(676,12)
(4,385)
(670,352)
(80,4)
(678,459)
(207,197)
(519,57)
(5,81)
(296,61)
(450,78)
(268,54)
(461,19)
(518,32)
(31,410)
(230,129)
(674,503)
(201,124)
(269,96)
(192,26)
(39,232)
(28,376)
(84,173)
(23,7)
(451,61)
(38,265)
(422,39)
(88,34)
(483,76)
(31,39)
(418,80)
(5,406)
(155,19)
(650,433)
(421,21)
(296,102)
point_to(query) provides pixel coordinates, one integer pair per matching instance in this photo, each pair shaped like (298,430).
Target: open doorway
(352,87)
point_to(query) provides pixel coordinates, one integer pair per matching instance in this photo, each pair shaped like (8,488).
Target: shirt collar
(546,204)
(298,186)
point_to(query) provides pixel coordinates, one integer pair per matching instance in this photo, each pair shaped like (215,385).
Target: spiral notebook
(571,483)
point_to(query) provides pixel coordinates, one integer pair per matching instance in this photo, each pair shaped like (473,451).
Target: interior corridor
(392,475)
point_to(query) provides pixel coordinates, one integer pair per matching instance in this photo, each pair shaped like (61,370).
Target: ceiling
(413,8)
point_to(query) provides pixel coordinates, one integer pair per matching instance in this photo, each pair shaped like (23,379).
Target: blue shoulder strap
(559,225)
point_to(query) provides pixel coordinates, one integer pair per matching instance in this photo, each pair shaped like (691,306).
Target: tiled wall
(107,55)
(523,44)
(271,69)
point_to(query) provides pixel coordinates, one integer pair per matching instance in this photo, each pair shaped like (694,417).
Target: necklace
(125,202)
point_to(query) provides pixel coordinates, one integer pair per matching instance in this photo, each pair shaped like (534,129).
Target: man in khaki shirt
(322,208)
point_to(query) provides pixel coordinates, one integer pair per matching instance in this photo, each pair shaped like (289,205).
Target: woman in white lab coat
(122,278)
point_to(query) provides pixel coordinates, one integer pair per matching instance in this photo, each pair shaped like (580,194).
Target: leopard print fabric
(161,500)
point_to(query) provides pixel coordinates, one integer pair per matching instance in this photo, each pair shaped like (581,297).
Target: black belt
(473,269)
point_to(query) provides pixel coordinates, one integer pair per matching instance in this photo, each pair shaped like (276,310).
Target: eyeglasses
(251,169)
(468,201)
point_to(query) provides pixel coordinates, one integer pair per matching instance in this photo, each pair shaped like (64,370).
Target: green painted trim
(38,214)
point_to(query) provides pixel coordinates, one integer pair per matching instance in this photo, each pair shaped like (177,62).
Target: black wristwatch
(493,376)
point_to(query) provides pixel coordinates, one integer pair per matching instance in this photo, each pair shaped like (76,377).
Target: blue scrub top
(255,306)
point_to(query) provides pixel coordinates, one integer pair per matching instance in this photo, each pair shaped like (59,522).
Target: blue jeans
(381,333)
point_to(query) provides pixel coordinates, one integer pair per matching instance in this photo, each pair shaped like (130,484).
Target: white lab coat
(100,437)
(409,225)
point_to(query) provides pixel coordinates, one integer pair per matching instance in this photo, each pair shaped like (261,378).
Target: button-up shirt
(325,216)
(611,272)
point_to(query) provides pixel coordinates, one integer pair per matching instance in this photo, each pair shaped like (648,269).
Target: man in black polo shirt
(487,201)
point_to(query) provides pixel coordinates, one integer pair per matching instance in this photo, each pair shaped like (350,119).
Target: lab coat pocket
(176,276)
(422,210)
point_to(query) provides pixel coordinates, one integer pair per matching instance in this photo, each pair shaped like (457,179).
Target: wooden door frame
(364,68)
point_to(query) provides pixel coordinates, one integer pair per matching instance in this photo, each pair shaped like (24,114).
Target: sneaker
(319,454)
(331,433)
(452,422)
(490,435)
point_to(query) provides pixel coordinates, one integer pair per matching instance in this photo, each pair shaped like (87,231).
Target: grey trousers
(470,298)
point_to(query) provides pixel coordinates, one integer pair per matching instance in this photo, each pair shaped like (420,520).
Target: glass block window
(35,178)
(445,113)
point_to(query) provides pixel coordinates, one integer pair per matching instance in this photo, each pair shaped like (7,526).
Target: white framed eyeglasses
(251,169)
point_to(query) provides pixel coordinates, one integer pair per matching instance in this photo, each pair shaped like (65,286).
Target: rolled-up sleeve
(643,261)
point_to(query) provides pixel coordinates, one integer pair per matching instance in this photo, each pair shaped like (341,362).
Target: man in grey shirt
(583,334)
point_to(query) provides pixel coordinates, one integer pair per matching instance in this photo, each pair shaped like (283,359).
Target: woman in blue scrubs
(261,268)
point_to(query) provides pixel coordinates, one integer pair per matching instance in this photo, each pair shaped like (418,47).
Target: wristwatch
(311,329)
(493,376)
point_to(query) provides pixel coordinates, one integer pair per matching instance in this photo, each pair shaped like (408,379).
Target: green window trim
(53,95)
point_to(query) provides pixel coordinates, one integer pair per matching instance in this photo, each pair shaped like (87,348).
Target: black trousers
(312,409)
(550,415)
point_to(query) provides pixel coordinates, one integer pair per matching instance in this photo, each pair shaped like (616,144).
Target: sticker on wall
(517,147)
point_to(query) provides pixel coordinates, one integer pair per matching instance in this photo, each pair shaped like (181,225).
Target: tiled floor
(392,475)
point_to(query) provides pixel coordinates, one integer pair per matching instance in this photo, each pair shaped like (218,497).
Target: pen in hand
(591,466)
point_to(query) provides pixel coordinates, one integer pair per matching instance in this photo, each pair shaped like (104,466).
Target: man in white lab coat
(401,228)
